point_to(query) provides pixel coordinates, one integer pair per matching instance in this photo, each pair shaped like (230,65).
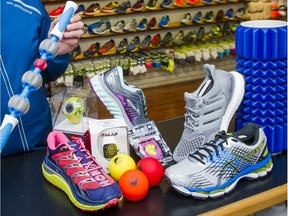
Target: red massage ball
(153,170)
(134,185)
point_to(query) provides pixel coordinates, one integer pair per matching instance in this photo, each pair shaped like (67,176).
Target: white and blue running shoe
(209,109)
(216,168)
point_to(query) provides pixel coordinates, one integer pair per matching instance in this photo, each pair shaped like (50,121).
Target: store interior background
(164,90)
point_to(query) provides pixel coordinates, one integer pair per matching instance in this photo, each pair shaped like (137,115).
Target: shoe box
(75,131)
(108,137)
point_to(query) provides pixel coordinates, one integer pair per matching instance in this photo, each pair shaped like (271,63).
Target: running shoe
(167,40)
(121,99)
(103,28)
(219,15)
(125,5)
(92,50)
(215,169)
(209,17)
(80,9)
(187,20)
(152,5)
(226,30)
(142,25)
(234,26)
(207,1)
(179,38)
(209,109)
(180,3)
(191,36)
(145,44)
(166,3)
(118,27)
(97,27)
(122,47)
(138,6)
(56,12)
(193,2)
(198,17)
(200,36)
(152,23)
(108,48)
(69,166)
(75,52)
(164,21)
(229,14)
(215,31)
(110,7)
(134,44)
(240,13)
(92,9)
(155,42)
(131,25)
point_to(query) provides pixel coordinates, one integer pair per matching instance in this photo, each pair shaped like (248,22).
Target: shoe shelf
(159,8)
(171,25)
(207,38)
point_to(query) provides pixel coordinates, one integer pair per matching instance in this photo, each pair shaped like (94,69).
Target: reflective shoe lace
(208,149)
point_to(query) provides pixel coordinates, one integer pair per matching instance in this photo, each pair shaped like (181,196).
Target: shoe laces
(77,169)
(91,160)
(192,115)
(211,149)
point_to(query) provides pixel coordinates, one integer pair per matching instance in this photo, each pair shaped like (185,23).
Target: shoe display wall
(145,18)
(102,18)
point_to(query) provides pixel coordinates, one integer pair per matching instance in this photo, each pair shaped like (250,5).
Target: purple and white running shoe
(121,100)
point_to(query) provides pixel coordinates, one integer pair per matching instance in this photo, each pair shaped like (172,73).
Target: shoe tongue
(190,99)
(79,153)
(72,145)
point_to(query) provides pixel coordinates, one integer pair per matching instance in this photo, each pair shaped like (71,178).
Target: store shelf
(172,25)
(159,8)
(207,38)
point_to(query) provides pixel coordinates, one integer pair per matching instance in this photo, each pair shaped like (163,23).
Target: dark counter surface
(24,191)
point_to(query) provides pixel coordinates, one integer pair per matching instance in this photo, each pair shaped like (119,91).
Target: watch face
(73,109)
(109,150)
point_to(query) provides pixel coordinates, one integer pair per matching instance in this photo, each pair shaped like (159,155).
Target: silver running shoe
(121,100)
(216,168)
(209,109)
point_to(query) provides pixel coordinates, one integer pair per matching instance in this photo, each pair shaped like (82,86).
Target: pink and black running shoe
(69,166)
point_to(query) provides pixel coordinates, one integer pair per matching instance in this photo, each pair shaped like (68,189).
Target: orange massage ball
(134,185)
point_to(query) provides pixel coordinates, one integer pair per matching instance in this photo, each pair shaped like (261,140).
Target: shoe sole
(59,182)
(112,104)
(236,99)
(110,52)
(222,190)
(103,32)
(138,9)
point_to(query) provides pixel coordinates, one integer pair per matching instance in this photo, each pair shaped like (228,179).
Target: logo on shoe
(130,103)
(99,177)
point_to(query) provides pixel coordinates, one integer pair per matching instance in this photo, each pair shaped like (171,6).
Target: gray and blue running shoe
(100,27)
(209,109)
(215,169)
(120,99)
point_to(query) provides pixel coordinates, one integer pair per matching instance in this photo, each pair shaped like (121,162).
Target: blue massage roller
(19,105)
